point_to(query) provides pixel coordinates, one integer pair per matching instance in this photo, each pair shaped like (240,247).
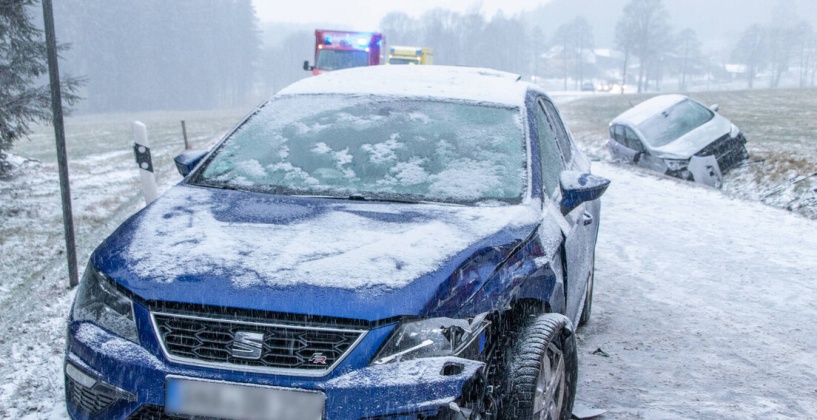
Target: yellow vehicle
(410,55)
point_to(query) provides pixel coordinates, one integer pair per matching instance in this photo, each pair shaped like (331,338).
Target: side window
(618,134)
(552,163)
(559,128)
(633,141)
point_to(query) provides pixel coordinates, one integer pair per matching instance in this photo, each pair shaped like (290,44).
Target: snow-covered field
(704,303)
(34,294)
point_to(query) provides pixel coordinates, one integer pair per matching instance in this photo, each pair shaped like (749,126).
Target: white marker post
(141,148)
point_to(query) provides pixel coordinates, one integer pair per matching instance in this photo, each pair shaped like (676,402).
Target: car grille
(151,412)
(291,349)
(91,400)
(728,151)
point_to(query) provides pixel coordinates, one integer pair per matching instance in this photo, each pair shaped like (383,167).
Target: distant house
(735,71)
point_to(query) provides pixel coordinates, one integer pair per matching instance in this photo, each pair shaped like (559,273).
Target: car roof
(641,112)
(438,82)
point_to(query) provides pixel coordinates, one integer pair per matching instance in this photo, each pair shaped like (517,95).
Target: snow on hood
(696,139)
(255,240)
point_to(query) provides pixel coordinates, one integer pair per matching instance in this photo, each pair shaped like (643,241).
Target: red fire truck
(335,50)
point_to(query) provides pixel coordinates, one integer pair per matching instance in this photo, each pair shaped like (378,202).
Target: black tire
(587,309)
(539,376)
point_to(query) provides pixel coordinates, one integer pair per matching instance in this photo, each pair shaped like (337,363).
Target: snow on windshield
(674,123)
(352,245)
(377,147)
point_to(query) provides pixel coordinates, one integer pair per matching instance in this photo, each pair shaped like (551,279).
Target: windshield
(395,60)
(379,148)
(341,59)
(674,123)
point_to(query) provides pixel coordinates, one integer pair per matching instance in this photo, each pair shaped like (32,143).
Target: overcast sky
(366,14)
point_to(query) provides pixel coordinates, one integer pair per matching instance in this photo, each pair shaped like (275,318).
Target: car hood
(338,258)
(695,140)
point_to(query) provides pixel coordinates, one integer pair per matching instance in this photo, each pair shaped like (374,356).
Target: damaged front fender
(705,170)
(422,386)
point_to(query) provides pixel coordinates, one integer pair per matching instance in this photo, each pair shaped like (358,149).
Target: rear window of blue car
(377,147)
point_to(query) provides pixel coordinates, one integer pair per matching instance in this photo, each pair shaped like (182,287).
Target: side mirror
(578,188)
(715,107)
(307,67)
(188,160)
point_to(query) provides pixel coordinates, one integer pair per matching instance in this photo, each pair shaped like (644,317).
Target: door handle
(587,218)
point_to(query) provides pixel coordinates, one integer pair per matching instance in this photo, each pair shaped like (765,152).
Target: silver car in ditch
(680,137)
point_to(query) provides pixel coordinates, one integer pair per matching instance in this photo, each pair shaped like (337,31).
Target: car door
(642,156)
(617,142)
(630,150)
(578,226)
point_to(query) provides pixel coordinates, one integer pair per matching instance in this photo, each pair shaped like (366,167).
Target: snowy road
(704,304)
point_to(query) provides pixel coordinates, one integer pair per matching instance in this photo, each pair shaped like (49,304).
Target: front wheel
(541,370)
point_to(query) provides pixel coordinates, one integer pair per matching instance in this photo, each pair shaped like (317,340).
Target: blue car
(385,242)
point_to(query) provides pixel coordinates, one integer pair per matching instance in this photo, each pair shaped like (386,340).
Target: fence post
(141,148)
(184,133)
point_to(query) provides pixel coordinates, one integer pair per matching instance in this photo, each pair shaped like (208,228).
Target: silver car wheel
(550,385)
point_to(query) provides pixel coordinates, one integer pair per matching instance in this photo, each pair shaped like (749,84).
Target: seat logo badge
(248,345)
(318,359)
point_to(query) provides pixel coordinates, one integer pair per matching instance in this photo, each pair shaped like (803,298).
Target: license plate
(236,401)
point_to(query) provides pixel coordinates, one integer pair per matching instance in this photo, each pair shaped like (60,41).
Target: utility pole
(59,132)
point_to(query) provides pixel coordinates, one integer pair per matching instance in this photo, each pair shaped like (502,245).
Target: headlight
(435,337)
(99,302)
(676,164)
(734,132)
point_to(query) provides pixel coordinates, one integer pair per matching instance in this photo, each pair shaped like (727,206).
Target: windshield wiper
(361,197)
(221,186)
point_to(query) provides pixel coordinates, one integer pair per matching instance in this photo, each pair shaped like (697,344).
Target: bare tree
(805,49)
(812,68)
(781,38)
(641,32)
(536,36)
(575,39)
(688,55)
(562,40)
(400,29)
(750,51)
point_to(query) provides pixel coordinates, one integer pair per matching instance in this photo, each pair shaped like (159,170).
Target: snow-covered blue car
(383,242)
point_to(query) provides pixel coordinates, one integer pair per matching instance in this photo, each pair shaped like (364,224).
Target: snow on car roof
(443,82)
(641,112)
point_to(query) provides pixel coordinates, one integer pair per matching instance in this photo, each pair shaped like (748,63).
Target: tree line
(783,43)
(644,33)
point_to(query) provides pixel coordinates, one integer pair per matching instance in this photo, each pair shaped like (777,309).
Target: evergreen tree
(24,96)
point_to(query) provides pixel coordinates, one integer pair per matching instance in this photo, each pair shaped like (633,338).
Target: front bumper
(134,377)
